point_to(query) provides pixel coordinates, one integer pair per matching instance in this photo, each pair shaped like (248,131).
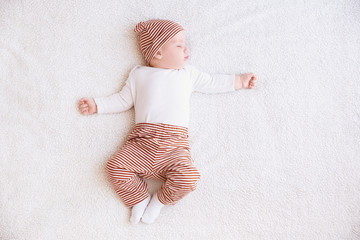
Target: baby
(158,146)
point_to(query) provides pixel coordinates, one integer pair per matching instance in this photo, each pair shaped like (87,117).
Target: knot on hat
(139,27)
(154,34)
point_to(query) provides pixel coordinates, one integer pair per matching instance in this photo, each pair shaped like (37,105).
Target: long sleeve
(117,102)
(216,83)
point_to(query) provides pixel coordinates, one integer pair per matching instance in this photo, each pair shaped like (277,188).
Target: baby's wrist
(238,83)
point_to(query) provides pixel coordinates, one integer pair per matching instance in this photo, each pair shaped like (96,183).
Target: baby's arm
(244,81)
(118,102)
(218,83)
(115,103)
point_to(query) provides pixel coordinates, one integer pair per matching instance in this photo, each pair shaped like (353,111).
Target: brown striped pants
(154,151)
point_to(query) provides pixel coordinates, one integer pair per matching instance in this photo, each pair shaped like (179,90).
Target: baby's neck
(162,65)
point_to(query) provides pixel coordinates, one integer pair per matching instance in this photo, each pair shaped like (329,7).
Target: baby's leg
(123,171)
(181,178)
(130,187)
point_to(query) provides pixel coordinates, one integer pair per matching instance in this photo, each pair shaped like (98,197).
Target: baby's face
(174,54)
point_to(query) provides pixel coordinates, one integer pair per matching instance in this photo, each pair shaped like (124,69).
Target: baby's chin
(181,66)
(175,66)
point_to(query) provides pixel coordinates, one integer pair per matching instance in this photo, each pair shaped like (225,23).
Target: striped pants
(153,151)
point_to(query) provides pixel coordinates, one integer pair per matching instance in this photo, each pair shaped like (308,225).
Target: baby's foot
(152,211)
(138,210)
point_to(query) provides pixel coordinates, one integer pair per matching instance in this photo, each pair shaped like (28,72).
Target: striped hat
(154,34)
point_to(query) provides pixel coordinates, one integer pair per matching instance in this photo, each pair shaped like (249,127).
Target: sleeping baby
(158,146)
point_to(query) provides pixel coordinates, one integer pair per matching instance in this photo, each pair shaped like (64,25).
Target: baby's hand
(87,106)
(246,80)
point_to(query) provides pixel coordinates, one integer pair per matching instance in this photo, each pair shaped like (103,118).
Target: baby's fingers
(251,84)
(83,108)
(85,111)
(84,101)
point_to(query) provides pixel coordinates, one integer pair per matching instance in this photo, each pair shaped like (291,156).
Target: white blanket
(280,161)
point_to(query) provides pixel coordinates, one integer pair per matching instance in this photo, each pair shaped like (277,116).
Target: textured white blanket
(281,161)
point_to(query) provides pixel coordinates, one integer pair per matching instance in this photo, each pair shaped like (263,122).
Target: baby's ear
(158,55)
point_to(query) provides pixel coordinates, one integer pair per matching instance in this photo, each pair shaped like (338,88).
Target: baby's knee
(195,178)
(110,166)
(195,175)
(187,178)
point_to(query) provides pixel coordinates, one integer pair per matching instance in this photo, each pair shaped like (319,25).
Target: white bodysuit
(163,95)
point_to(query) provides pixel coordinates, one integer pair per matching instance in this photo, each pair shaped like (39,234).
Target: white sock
(153,210)
(138,210)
